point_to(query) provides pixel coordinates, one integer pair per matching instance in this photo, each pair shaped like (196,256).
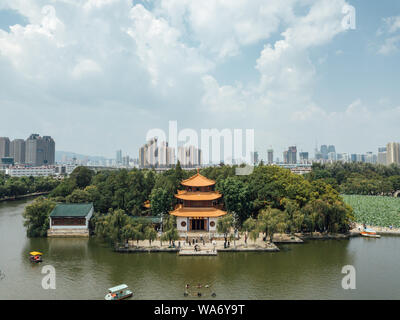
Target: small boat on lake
(35,256)
(118,293)
(370,233)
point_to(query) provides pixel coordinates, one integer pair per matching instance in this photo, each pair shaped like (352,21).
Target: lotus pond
(375,210)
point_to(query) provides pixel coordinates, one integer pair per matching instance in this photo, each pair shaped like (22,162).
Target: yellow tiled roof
(198,212)
(198,181)
(184,195)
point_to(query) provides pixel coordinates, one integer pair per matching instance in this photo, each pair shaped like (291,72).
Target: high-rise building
(4,147)
(324,151)
(254,157)
(285,157)
(164,155)
(270,156)
(303,157)
(332,156)
(382,155)
(49,148)
(147,153)
(331,148)
(344,157)
(125,161)
(39,150)
(317,153)
(17,150)
(119,157)
(370,158)
(154,154)
(393,153)
(290,156)
(189,156)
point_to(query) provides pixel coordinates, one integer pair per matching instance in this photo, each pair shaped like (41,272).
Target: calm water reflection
(85,268)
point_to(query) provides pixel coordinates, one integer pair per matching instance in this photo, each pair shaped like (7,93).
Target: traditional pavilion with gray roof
(70,219)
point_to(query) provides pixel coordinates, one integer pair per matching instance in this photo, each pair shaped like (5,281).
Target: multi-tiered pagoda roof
(198,199)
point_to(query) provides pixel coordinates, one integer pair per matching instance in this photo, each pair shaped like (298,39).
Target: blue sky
(98,74)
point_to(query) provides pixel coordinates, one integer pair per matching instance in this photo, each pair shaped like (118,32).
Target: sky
(97,75)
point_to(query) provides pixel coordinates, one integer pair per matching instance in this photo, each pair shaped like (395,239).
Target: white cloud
(86,67)
(219,99)
(133,68)
(160,49)
(390,30)
(393,24)
(223,27)
(286,71)
(390,45)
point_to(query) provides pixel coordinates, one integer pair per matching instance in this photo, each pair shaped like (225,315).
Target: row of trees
(117,228)
(121,189)
(17,186)
(358,178)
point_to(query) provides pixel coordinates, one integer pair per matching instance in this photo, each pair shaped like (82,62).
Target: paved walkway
(238,245)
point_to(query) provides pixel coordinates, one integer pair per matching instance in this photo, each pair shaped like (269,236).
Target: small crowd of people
(199,286)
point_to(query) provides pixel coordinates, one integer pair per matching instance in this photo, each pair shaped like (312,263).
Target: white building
(23,171)
(156,154)
(189,156)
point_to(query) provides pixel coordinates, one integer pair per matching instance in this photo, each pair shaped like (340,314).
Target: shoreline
(24,196)
(378,229)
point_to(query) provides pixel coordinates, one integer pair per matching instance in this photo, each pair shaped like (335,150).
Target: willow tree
(249,227)
(36,217)
(225,225)
(115,227)
(150,234)
(271,221)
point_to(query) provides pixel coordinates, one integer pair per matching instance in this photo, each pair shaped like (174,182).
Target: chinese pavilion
(199,205)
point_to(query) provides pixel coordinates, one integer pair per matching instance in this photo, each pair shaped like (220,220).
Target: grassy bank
(375,210)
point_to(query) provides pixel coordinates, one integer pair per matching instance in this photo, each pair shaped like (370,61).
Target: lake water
(85,268)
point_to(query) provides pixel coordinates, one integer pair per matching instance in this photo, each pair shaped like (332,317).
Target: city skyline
(35,151)
(171,155)
(296,77)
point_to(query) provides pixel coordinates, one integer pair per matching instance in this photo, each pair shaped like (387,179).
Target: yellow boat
(35,256)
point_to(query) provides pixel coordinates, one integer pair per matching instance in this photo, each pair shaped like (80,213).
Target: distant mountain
(70,155)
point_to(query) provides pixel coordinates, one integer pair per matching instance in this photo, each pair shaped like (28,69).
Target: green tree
(78,196)
(114,227)
(237,197)
(160,201)
(82,176)
(150,234)
(170,233)
(36,217)
(225,225)
(249,226)
(271,221)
